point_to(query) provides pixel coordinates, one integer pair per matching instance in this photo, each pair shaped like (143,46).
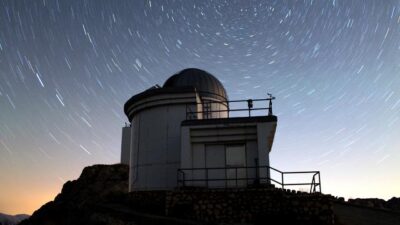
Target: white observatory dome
(206,84)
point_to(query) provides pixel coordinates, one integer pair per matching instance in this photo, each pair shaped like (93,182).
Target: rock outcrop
(391,204)
(100,196)
(11,220)
(79,200)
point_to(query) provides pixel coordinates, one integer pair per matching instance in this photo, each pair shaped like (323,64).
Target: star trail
(67,68)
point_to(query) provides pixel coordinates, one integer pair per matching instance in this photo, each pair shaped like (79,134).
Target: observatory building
(188,133)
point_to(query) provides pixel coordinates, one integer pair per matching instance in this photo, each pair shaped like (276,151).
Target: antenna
(270,96)
(270,104)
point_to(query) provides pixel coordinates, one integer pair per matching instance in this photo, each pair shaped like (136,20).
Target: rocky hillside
(100,196)
(78,201)
(11,220)
(391,204)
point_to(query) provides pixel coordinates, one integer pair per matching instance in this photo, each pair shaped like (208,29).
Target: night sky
(68,67)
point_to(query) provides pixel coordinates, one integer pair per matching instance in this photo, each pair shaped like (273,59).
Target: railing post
(319,182)
(186,111)
(283,182)
(226,177)
(177,177)
(207,177)
(312,186)
(236,176)
(249,105)
(257,181)
(270,104)
(184,179)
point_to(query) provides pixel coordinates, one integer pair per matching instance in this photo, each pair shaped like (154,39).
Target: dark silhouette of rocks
(79,200)
(391,204)
(100,196)
(11,220)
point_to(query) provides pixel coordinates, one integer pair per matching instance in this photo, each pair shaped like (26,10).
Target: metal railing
(242,176)
(208,109)
(315,185)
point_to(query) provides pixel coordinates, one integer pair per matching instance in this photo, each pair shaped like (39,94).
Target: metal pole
(249,106)
(257,172)
(270,107)
(319,180)
(236,176)
(184,179)
(228,109)
(312,186)
(177,177)
(207,177)
(270,104)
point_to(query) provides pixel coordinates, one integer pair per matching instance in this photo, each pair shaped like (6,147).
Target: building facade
(187,133)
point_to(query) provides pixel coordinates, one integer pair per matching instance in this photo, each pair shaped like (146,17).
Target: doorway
(236,159)
(215,161)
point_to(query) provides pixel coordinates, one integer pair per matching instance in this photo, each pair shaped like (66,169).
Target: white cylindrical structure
(156,116)
(126,145)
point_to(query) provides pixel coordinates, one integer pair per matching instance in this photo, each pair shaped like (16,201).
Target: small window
(207,110)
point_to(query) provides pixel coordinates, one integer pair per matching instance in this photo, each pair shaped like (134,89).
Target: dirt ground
(358,215)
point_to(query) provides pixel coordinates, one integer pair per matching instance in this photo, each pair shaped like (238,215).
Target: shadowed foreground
(360,215)
(100,196)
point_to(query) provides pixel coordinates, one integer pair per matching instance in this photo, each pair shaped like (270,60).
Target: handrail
(315,185)
(208,110)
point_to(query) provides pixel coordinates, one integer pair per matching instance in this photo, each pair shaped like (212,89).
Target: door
(236,159)
(215,158)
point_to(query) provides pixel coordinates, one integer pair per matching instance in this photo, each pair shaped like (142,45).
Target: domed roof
(205,83)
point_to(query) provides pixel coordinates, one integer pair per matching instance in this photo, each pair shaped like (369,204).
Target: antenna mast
(270,103)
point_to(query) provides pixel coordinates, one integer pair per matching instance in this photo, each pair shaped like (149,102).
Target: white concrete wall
(251,156)
(214,155)
(125,145)
(265,138)
(198,141)
(156,142)
(159,146)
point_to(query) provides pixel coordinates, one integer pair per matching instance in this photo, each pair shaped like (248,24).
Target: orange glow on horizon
(15,201)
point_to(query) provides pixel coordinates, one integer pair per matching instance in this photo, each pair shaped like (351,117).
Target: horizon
(68,67)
